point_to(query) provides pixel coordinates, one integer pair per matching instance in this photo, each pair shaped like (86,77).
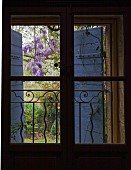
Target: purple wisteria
(45,32)
(39,51)
(27,48)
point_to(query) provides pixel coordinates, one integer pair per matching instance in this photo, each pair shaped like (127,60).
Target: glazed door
(36,97)
(96,123)
(64,103)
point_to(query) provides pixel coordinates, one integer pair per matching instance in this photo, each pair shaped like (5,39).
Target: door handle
(63,66)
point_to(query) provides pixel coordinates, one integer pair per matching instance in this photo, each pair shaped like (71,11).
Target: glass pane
(35,112)
(99,112)
(35,50)
(95,47)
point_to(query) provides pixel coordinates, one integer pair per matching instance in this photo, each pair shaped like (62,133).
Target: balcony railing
(35,116)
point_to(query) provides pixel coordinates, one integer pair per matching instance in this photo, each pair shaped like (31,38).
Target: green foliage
(50,101)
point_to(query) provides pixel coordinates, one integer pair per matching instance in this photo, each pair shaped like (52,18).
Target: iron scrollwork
(32,97)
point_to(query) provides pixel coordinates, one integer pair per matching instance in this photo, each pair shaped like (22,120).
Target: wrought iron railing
(89,105)
(89,113)
(48,100)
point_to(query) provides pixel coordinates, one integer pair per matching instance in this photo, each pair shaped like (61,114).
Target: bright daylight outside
(35,105)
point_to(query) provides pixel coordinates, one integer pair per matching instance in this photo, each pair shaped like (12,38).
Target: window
(66,93)
(98,79)
(35,105)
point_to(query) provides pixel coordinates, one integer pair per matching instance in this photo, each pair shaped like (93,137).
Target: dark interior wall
(88,3)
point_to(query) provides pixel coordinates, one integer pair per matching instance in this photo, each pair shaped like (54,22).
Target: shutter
(17,110)
(88,61)
(16,54)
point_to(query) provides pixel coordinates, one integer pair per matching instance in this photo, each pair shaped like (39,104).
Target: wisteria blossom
(47,52)
(39,64)
(37,39)
(40,49)
(44,33)
(53,43)
(39,45)
(39,53)
(40,72)
(27,48)
(28,66)
(34,70)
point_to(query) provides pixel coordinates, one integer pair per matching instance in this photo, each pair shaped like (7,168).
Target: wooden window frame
(113,21)
(15,16)
(122,151)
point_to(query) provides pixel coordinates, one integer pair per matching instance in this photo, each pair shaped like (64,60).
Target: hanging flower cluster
(39,50)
